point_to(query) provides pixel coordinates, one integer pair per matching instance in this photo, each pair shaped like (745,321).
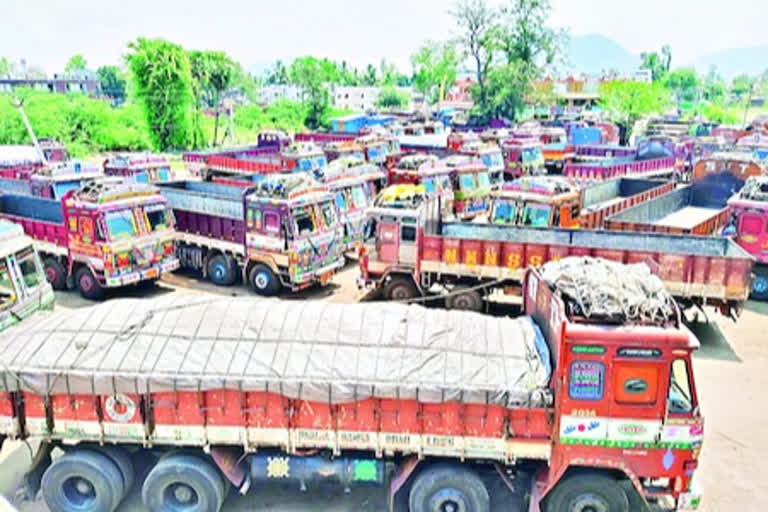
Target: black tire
(222,270)
(636,503)
(183,481)
(760,283)
(264,281)
(55,273)
(446,487)
(87,284)
(579,491)
(123,461)
(464,299)
(83,481)
(400,288)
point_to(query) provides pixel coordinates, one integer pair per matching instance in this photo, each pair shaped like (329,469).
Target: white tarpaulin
(304,349)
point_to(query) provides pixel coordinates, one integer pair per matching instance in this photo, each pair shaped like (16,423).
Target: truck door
(751,232)
(408,249)
(388,240)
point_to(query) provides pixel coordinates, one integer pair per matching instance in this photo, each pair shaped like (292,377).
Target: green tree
(76,63)
(112,81)
(369,78)
(392,98)
(627,102)
(713,86)
(6,67)
(683,83)
(658,64)
(524,35)
(278,75)
(435,66)
(742,85)
(313,75)
(475,22)
(163,84)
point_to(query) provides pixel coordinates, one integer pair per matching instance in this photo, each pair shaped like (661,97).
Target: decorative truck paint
(224,230)
(23,286)
(620,167)
(696,270)
(139,168)
(101,235)
(251,430)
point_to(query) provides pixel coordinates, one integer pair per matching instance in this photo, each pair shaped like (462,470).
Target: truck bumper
(690,500)
(153,272)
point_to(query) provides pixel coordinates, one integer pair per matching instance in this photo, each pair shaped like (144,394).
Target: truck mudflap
(153,272)
(691,499)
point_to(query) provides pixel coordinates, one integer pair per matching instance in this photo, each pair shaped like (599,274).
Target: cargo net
(755,189)
(604,290)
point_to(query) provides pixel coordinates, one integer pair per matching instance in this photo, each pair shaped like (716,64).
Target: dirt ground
(731,374)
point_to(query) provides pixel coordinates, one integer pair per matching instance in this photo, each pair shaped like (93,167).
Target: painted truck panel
(616,168)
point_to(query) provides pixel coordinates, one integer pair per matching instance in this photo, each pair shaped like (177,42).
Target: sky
(257,32)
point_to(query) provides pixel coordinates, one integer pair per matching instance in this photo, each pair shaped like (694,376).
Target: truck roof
(109,191)
(310,350)
(12,238)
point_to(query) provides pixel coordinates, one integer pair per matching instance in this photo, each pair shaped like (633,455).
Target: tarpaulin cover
(305,350)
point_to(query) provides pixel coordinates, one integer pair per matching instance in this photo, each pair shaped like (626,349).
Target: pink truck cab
(102,235)
(139,168)
(749,226)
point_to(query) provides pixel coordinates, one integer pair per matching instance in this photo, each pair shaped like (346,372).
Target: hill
(594,53)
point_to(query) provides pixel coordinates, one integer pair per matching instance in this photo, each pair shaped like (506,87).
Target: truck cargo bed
(711,268)
(604,199)
(698,209)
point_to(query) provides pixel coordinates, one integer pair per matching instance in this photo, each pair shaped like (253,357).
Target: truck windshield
(341,201)
(504,212)
(467,182)
(429,185)
(157,216)
(328,214)
(444,182)
(31,272)
(531,155)
(536,215)
(7,293)
(120,224)
(359,198)
(483,180)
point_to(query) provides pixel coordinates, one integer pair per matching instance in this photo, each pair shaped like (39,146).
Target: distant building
(361,98)
(269,94)
(85,82)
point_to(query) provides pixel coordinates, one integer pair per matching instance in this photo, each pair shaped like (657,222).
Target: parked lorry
(556,411)
(490,153)
(139,168)
(522,157)
(588,152)
(283,232)
(749,227)
(23,287)
(700,208)
(52,181)
(103,235)
(554,201)
(411,251)
(621,167)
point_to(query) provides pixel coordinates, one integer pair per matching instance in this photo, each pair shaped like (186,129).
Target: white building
(269,94)
(362,98)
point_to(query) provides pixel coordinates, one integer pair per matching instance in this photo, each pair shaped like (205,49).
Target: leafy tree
(392,98)
(684,83)
(6,67)
(658,64)
(713,86)
(626,102)
(163,84)
(742,86)
(435,66)
(76,63)
(279,75)
(475,21)
(524,36)
(113,82)
(313,75)
(370,79)
(213,73)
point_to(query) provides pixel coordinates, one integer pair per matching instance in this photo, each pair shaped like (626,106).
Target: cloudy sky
(256,32)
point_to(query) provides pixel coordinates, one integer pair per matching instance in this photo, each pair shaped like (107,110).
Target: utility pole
(749,100)
(19,104)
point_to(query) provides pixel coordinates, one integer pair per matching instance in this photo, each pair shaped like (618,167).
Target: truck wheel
(760,284)
(55,273)
(448,488)
(222,270)
(88,285)
(587,491)
(123,462)
(264,281)
(400,288)
(83,480)
(183,482)
(464,299)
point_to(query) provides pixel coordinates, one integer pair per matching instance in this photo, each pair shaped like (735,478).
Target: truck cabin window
(429,185)
(443,182)
(504,212)
(483,180)
(359,198)
(31,273)
(467,182)
(680,398)
(304,221)
(157,216)
(341,201)
(120,224)
(536,215)
(329,214)
(7,292)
